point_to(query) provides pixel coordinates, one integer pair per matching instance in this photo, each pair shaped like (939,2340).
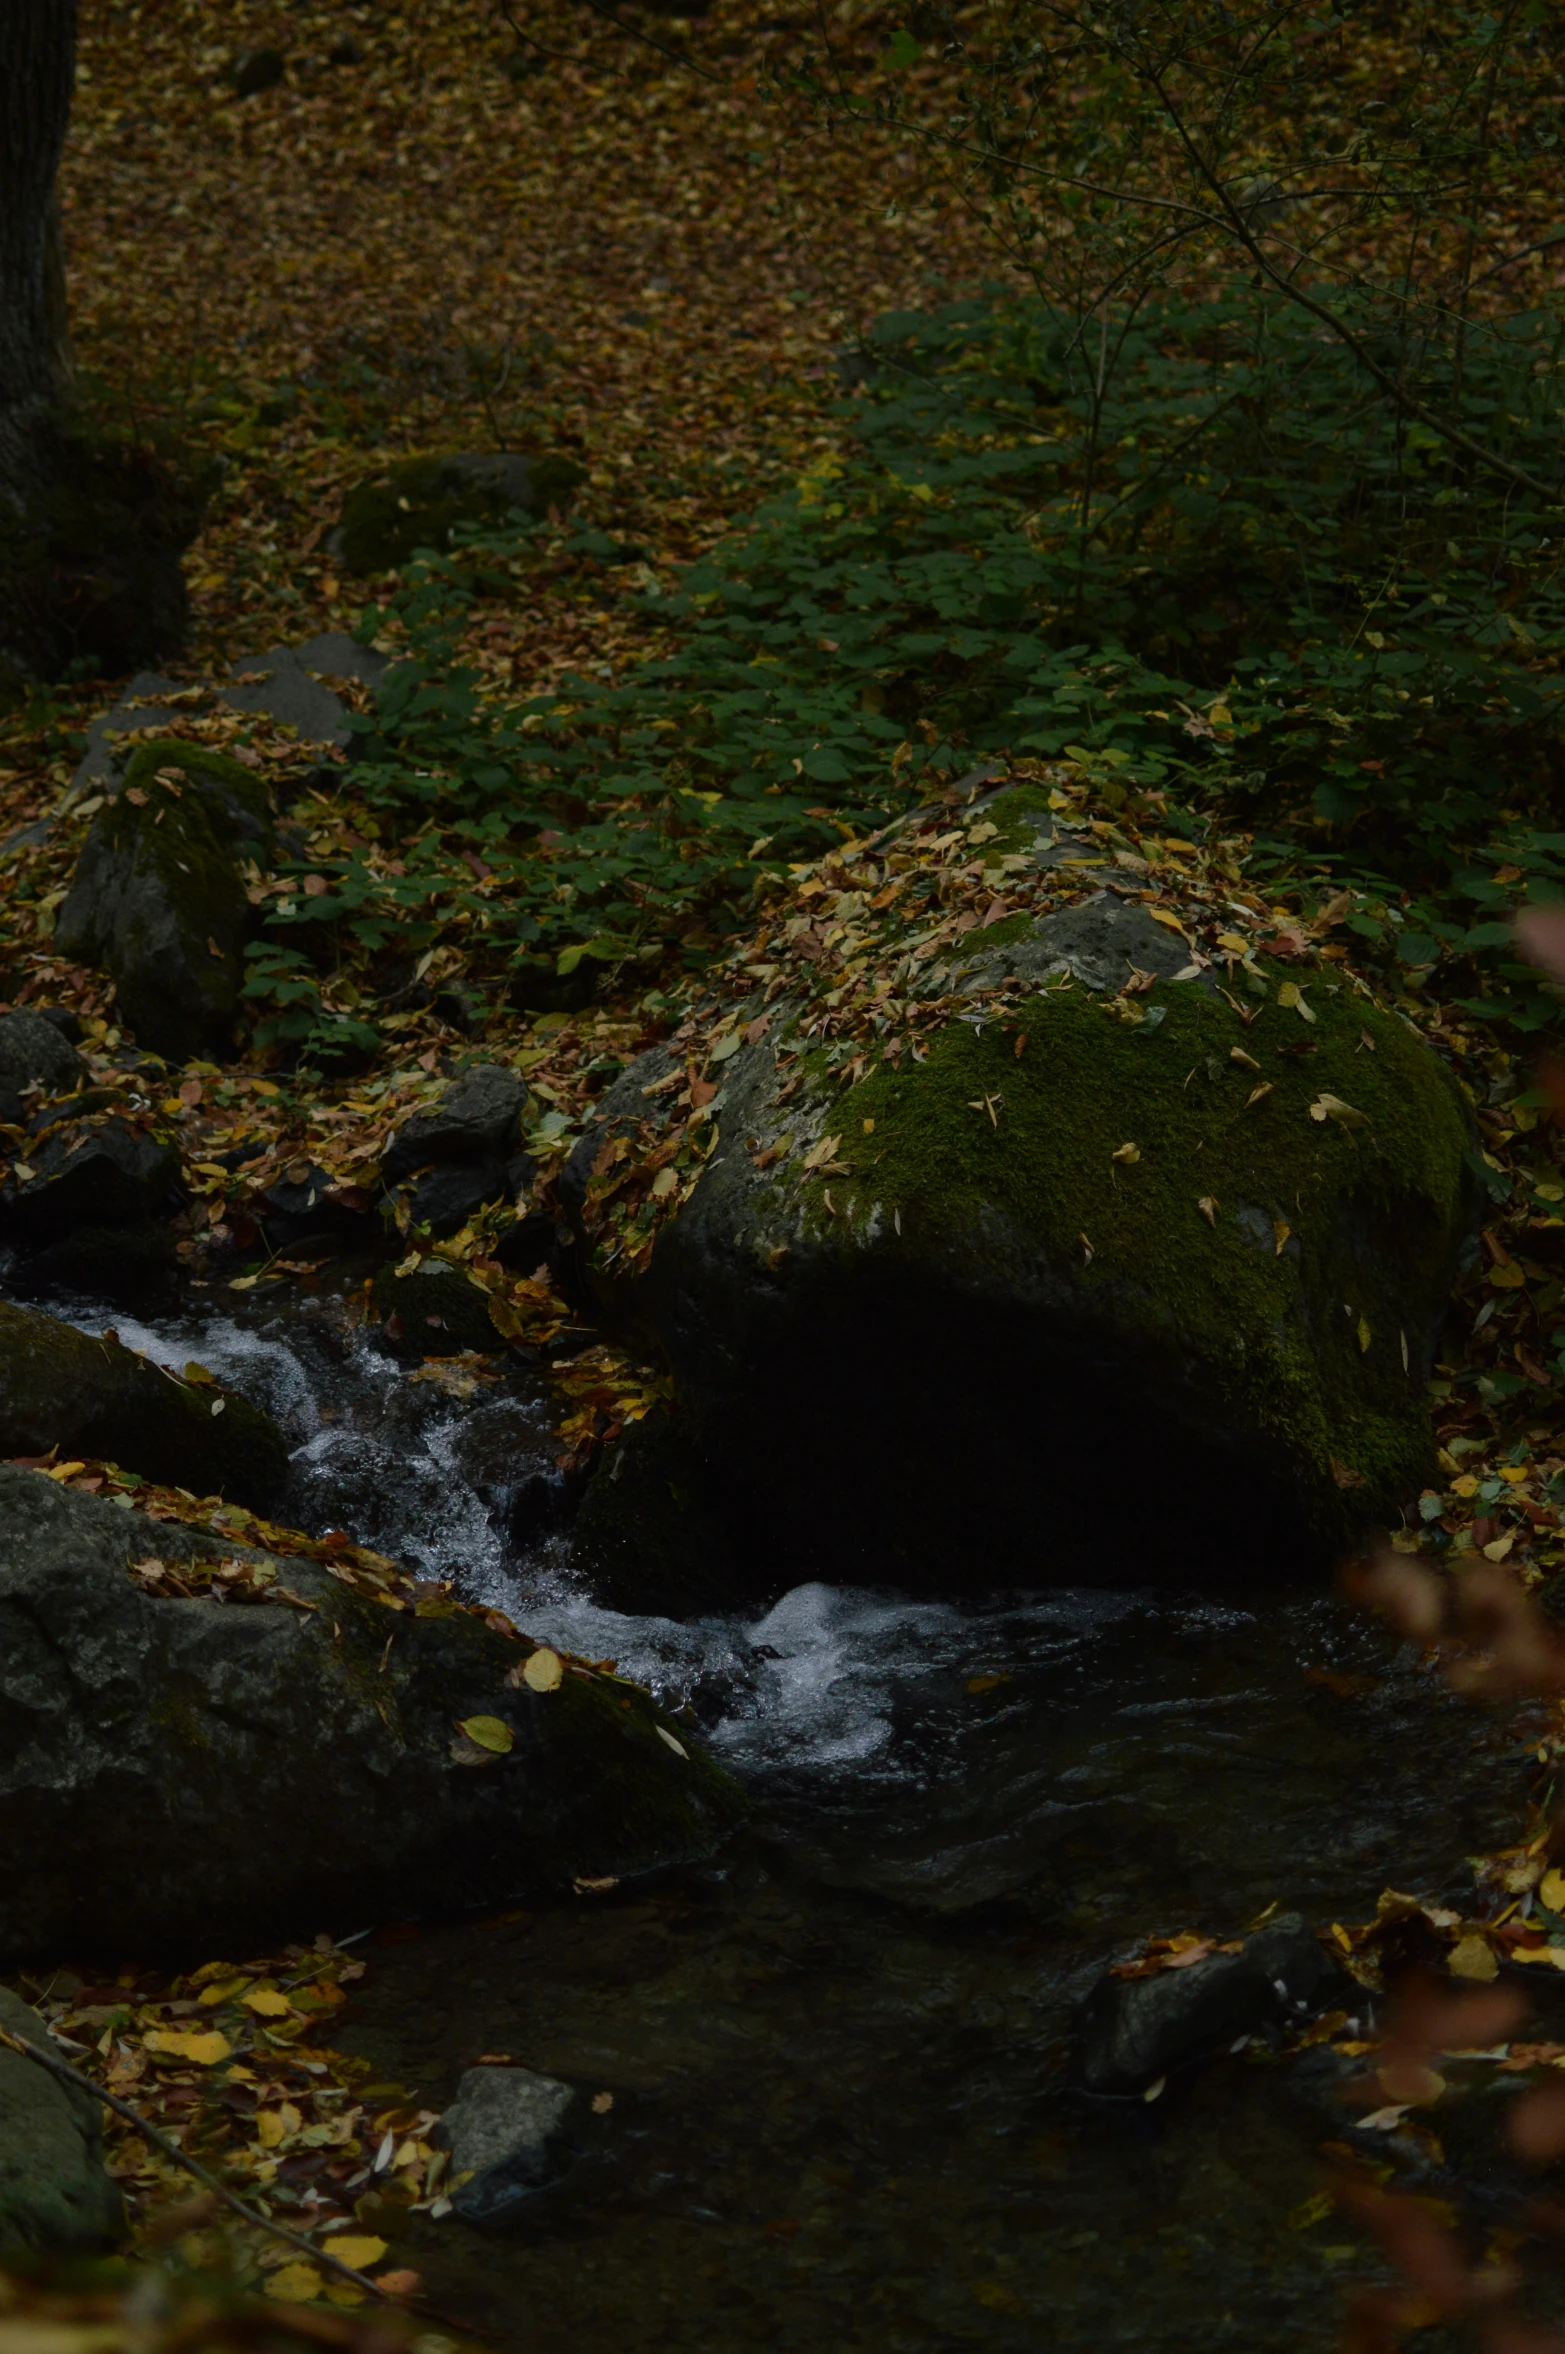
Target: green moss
(1315,1343)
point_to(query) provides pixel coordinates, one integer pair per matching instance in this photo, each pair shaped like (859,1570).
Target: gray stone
(1137,2029)
(445,1199)
(33,1052)
(476,1119)
(505,2133)
(284,685)
(159,897)
(1103,943)
(57,2197)
(92,1396)
(200,1775)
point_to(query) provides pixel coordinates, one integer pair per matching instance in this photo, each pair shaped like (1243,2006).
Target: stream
(842,2111)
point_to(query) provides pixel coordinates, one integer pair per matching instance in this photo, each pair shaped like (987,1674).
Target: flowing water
(839,2057)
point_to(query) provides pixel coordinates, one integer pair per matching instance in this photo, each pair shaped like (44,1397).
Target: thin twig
(171,2149)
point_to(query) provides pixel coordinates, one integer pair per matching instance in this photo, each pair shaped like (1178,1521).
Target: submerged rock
(1135,2030)
(419,503)
(506,2132)
(64,1389)
(57,2197)
(1123,1270)
(180,1774)
(159,899)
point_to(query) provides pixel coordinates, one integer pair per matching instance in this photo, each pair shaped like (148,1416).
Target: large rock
(476,1120)
(159,898)
(34,1052)
(420,502)
(93,1397)
(1154,1296)
(57,2197)
(286,685)
(1135,2030)
(507,2132)
(196,1774)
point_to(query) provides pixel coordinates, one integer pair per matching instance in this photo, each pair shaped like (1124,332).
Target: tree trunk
(92,518)
(37,74)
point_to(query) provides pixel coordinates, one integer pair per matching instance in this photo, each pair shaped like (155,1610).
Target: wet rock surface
(189,1773)
(88,1173)
(90,1395)
(474,1123)
(1138,2029)
(57,2197)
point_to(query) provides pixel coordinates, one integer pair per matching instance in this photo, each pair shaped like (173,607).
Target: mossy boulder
(1109,1285)
(196,1776)
(159,899)
(419,503)
(88,1395)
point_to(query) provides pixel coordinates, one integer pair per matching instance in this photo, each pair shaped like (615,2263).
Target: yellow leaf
(1236,1054)
(1126,1153)
(271,2128)
(1288,993)
(1160,915)
(356,2251)
(1332,1107)
(1498,1549)
(677,1747)
(65,1470)
(294,2284)
(545,1671)
(1467,1485)
(1509,1278)
(488,1732)
(1364,1333)
(1280,1233)
(1258,1094)
(204,2050)
(1207,1206)
(199,1375)
(1548,1956)
(826,1150)
(1472,1957)
(266,2002)
(1551,1890)
(222,1990)
(1233,942)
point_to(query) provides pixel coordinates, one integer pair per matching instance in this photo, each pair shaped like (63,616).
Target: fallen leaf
(1365,1336)
(1497,1549)
(400,2283)
(358,2250)
(1280,1233)
(1332,1107)
(1207,1206)
(1382,2120)
(1258,1094)
(1551,1890)
(1473,1957)
(489,1732)
(1126,1153)
(677,1747)
(602,2103)
(544,1670)
(1236,1054)
(1411,2082)
(136,795)
(293,2284)
(266,2001)
(826,1150)
(1234,943)
(205,2051)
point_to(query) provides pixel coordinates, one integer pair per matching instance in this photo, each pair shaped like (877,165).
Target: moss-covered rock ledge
(200,1758)
(1133,1265)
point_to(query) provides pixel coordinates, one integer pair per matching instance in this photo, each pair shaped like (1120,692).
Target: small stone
(33,1051)
(445,1199)
(103,1174)
(506,2129)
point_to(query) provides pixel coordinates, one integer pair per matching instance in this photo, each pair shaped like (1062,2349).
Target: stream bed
(841,2111)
